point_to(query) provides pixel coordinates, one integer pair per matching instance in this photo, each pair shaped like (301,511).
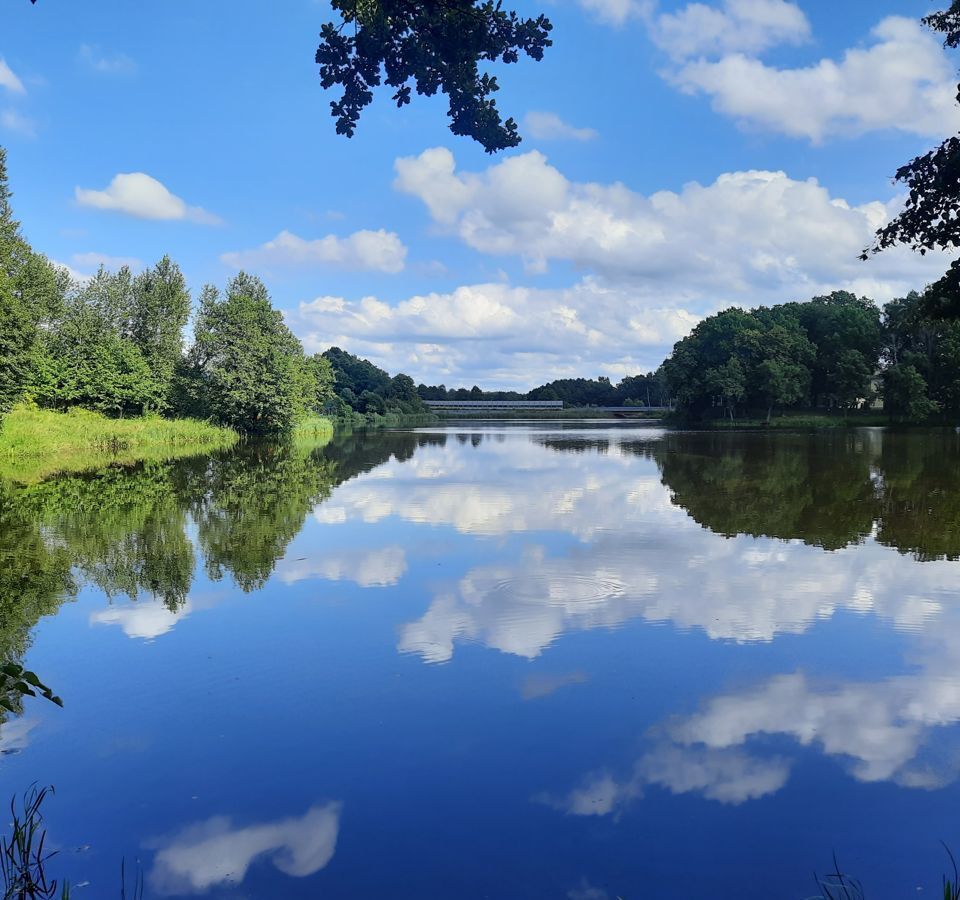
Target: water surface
(571,660)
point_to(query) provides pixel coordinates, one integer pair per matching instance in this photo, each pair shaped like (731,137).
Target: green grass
(314,429)
(36,443)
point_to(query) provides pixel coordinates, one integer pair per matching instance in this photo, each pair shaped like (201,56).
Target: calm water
(564,661)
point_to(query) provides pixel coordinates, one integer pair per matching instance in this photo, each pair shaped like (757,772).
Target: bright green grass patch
(314,429)
(36,443)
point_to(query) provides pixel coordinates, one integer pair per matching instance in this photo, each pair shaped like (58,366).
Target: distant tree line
(637,390)
(838,351)
(115,343)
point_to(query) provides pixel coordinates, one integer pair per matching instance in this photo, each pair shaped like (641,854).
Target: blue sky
(678,158)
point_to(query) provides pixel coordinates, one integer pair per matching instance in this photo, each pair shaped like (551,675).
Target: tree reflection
(828,490)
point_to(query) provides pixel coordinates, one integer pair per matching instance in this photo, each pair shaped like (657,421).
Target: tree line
(115,343)
(633,390)
(837,351)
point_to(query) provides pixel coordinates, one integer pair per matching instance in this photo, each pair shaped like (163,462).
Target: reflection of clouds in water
(216,852)
(146,619)
(741,589)
(885,731)
(727,776)
(504,488)
(367,568)
(151,618)
(881,727)
(15,734)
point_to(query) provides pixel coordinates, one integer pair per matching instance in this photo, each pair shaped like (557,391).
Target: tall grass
(23,857)
(35,443)
(314,428)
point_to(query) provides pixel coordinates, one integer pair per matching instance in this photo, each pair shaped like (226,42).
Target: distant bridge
(448,406)
(483,405)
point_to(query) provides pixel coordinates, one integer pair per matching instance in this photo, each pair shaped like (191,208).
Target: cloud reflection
(216,852)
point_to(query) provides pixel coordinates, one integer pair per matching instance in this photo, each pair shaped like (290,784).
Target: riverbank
(36,443)
(852,419)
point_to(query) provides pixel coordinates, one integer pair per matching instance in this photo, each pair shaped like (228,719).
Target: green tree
(159,313)
(17,336)
(728,381)
(847,333)
(905,394)
(323,381)
(247,367)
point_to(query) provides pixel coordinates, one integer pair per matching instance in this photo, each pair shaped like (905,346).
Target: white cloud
(9,79)
(380,250)
(904,81)
(95,260)
(216,852)
(138,194)
(655,264)
(747,26)
(106,63)
(500,334)
(616,12)
(756,236)
(16,121)
(548,126)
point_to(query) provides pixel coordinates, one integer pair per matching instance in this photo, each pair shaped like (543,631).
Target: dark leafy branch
(437,45)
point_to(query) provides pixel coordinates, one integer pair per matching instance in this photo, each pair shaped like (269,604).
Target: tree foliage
(368,389)
(437,45)
(821,353)
(249,370)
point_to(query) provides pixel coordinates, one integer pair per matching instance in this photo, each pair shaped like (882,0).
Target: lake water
(559,660)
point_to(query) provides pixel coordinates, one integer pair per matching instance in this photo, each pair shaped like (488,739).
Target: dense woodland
(835,352)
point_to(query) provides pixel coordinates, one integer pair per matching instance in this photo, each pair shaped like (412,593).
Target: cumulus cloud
(9,80)
(759,236)
(903,81)
(217,852)
(500,334)
(138,194)
(548,126)
(380,251)
(655,264)
(106,63)
(747,26)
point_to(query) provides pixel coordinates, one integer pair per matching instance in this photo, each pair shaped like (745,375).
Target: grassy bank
(35,443)
(391,420)
(315,429)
